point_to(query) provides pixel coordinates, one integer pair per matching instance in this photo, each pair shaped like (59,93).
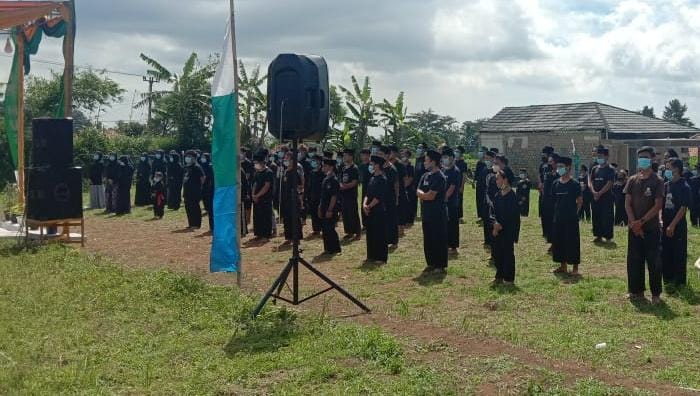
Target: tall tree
(469,131)
(338,133)
(647,111)
(434,129)
(362,111)
(187,106)
(393,120)
(252,106)
(675,112)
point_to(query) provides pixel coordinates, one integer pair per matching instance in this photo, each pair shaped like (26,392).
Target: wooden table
(65,234)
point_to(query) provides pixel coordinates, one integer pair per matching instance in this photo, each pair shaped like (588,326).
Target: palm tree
(252,105)
(393,120)
(363,111)
(187,106)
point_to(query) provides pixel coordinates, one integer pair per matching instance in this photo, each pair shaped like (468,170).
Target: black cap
(434,155)
(647,149)
(460,149)
(554,156)
(489,153)
(327,154)
(377,160)
(448,152)
(602,150)
(259,157)
(495,150)
(547,150)
(384,149)
(191,153)
(330,162)
(349,151)
(207,156)
(393,148)
(376,143)
(365,151)
(564,160)
(509,175)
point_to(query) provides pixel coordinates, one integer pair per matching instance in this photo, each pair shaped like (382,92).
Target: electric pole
(150,80)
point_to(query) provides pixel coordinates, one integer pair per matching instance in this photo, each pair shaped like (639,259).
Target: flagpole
(68,68)
(239,273)
(20,114)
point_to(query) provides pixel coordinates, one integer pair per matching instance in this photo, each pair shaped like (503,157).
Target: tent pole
(239,273)
(20,115)
(68,68)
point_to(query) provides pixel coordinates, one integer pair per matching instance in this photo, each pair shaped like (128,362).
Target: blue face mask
(280,155)
(562,171)
(488,163)
(668,174)
(643,163)
(370,168)
(480,154)
(314,164)
(420,152)
(374,150)
(188,160)
(695,173)
(600,161)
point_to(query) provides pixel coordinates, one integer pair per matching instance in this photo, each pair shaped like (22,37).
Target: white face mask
(120,162)
(445,162)
(188,160)
(496,168)
(203,160)
(143,158)
(522,175)
(112,158)
(286,163)
(172,159)
(158,156)
(96,157)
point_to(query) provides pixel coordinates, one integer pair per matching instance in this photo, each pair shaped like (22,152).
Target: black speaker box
(297,97)
(54,193)
(52,142)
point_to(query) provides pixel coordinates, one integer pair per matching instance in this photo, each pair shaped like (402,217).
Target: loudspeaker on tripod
(52,142)
(54,193)
(297,97)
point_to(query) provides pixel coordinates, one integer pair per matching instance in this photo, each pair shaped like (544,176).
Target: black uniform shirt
(411,172)
(565,196)
(365,176)
(676,195)
(208,186)
(316,184)
(523,190)
(400,174)
(158,165)
(491,186)
(482,171)
(433,210)
(329,190)
(506,212)
(543,171)
(549,179)
(350,174)
(287,188)
(192,181)
(259,180)
(390,174)
(420,168)
(453,178)
(583,182)
(95,173)
(600,176)
(695,191)
(376,189)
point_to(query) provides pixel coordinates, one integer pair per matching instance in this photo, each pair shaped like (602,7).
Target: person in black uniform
(453,179)
(566,239)
(463,168)
(192,182)
(208,188)
(292,180)
(600,182)
(174,184)
(375,212)
(375,148)
(619,198)
(431,192)
(158,195)
(481,189)
(111,183)
(159,164)
(125,176)
(674,240)
(365,177)
(143,182)
(314,194)
(350,178)
(419,172)
(586,194)
(542,171)
(409,182)
(97,190)
(695,197)
(401,201)
(247,173)
(392,192)
(480,196)
(328,208)
(547,203)
(499,162)
(261,189)
(523,192)
(505,223)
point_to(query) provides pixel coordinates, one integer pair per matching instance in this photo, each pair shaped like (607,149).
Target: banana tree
(393,121)
(252,105)
(362,112)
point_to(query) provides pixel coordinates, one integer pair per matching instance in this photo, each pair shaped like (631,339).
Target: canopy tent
(28,22)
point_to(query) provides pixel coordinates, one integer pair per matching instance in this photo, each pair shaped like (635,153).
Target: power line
(89,67)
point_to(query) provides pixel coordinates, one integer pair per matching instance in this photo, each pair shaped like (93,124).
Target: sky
(464,58)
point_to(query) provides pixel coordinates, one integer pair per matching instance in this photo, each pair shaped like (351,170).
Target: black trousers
(641,251)
(435,242)
(486,228)
(525,208)
(377,249)
(174,195)
(403,211)
(460,209)
(695,215)
(143,193)
(547,219)
(412,205)
(392,224)
(208,201)
(566,242)
(262,219)
(159,209)
(453,228)
(504,258)
(331,243)
(674,255)
(481,210)
(194,211)
(363,216)
(585,212)
(109,197)
(603,217)
(620,214)
(351,218)
(315,220)
(123,199)
(287,221)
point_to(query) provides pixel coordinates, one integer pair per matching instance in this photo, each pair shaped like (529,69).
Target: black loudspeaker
(54,193)
(297,97)
(52,142)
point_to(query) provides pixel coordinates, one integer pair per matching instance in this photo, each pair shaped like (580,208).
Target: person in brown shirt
(643,201)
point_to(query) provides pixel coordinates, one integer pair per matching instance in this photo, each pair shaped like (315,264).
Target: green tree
(130,128)
(338,133)
(647,111)
(186,108)
(393,121)
(362,112)
(675,112)
(434,129)
(469,132)
(252,106)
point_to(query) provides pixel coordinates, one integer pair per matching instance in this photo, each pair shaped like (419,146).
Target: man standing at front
(600,182)
(643,201)
(431,192)
(350,176)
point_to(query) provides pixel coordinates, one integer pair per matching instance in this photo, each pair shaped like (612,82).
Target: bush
(90,140)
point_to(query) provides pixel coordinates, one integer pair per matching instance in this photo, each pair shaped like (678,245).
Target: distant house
(521,132)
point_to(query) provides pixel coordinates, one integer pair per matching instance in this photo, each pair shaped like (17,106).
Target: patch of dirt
(156,245)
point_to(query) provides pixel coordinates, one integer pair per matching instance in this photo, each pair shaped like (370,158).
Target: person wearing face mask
(111,180)
(292,180)
(643,201)
(600,181)
(586,194)
(159,164)
(328,208)
(482,201)
(407,204)
(547,213)
(192,182)
(365,176)
(419,171)
(348,195)
(314,196)
(175,174)
(392,199)
(158,195)
(463,168)
(523,192)
(401,202)
(543,170)
(478,183)
(566,237)
(431,192)
(453,179)
(261,195)
(674,239)
(143,182)
(695,197)
(376,147)
(374,208)
(208,188)
(618,191)
(125,177)
(505,225)
(97,190)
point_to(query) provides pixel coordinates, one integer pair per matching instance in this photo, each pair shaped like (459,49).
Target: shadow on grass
(568,278)
(610,245)
(182,231)
(685,293)
(21,247)
(661,310)
(255,242)
(323,258)
(430,278)
(452,255)
(268,333)
(501,288)
(369,266)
